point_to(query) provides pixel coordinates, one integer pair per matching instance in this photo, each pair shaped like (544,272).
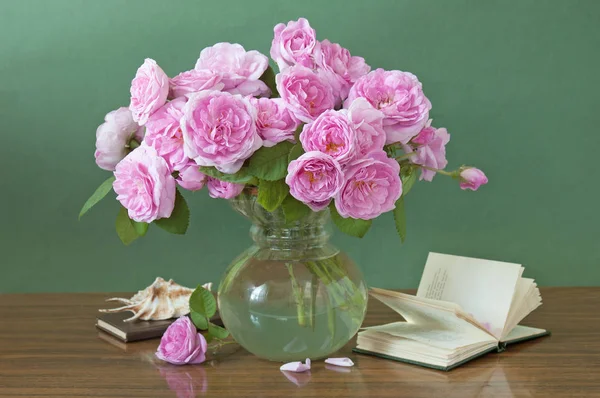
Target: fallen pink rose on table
(182,344)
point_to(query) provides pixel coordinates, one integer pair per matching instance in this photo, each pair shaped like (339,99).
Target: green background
(515,82)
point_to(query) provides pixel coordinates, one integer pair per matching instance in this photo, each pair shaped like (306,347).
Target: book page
(521,332)
(483,288)
(519,308)
(435,326)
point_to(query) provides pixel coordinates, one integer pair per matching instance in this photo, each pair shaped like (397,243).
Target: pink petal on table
(307,362)
(340,361)
(295,366)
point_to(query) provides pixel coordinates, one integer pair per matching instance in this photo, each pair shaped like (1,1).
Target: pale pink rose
(182,344)
(144,185)
(113,137)
(340,69)
(191,178)
(192,81)
(372,187)
(294,43)
(219,129)
(223,189)
(368,123)
(274,122)
(149,91)
(399,95)
(314,178)
(472,178)
(163,133)
(305,94)
(430,150)
(331,133)
(239,70)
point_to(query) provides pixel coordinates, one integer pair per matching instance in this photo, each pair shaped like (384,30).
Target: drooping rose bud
(472,178)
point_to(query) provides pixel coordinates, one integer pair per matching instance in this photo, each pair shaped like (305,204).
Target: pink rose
(163,133)
(314,178)
(372,187)
(191,178)
(240,70)
(274,122)
(219,129)
(306,95)
(339,68)
(144,185)
(149,91)
(182,344)
(368,123)
(223,189)
(192,81)
(331,133)
(113,137)
(430,150)
(399,95)
(472,178)
(294,43)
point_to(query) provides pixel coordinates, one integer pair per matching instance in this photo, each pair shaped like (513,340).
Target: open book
(464,308)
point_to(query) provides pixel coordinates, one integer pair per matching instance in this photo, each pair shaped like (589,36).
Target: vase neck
(299,237)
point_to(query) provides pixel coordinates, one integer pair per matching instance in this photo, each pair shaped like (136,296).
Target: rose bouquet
(325,132)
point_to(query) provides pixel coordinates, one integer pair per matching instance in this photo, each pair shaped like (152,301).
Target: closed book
(131,331)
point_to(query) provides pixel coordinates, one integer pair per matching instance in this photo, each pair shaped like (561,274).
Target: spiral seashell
(161,300)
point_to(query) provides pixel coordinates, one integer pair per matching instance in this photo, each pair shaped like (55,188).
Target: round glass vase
(291,295)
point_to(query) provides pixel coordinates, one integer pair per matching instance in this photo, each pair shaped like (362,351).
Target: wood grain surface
(50,348)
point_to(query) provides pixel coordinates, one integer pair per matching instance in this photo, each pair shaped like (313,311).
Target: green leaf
(97,196)
(241,177)
(400,218)
(409,177)
(208,337)
(125,229)
(350,226)
(295,152)
(268,77)
(293,209)
(271,193)
(203,302)
(140,227)
(179,220)
(390,150)
(199,320)
(217,331)
(270,163)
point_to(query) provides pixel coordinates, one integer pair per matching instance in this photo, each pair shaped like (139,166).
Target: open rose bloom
(324,130)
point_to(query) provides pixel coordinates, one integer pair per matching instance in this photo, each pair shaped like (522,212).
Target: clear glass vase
(291,295)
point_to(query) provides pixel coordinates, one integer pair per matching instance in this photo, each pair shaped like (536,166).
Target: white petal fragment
(347,362)
(296,366)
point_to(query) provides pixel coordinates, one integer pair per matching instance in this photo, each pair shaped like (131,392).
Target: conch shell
(161,300)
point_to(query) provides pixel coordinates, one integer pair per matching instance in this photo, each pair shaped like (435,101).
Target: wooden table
(49,347)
